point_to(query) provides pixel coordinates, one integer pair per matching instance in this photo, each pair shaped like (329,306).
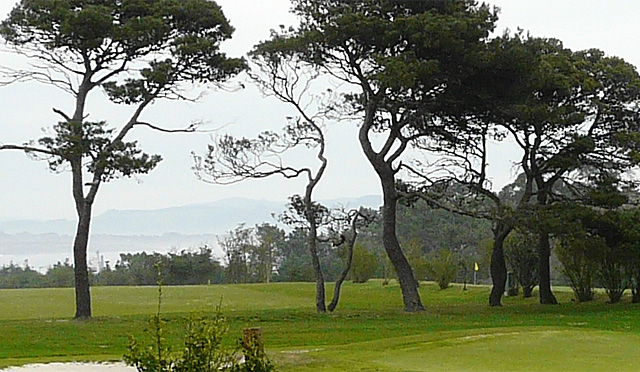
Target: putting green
(503,349)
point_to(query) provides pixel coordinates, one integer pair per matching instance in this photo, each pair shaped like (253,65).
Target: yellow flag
(476,267)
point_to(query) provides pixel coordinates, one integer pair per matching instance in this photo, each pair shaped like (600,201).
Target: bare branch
(59,112)
(27,149)
(193,127)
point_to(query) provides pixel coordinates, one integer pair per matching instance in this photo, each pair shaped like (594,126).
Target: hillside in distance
(43,243)
(206,218)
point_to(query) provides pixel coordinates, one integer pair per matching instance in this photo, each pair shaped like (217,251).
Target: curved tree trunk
(81,269)
(382,163)
(408,284)
(498,264)
(544,269)
(347,267)
(343,276)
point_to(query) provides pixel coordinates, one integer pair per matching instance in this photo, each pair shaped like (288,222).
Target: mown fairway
(368,331)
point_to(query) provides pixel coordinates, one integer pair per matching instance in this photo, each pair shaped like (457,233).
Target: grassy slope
(458,332)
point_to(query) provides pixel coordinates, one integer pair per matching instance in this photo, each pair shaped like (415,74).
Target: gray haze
(28,191)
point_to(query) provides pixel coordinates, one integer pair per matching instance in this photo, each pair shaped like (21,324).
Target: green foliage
(579,262)
(255,359)
(98,42)
(443,267)
(521,252)
(245,257)
(631,222)
(14,276)
(416,257)
(264,256)
(186,33)
(137,51)
(203,348)
(598,243)
(613,274)
(202,352)
(61,275)
(399,45)
(186,267)
(429,229)
(364,264)
(94,141)
(294,260)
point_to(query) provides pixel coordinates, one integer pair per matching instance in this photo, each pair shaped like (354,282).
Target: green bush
(578,256)
(417,260)
(202,352)
(613,273)
(521,253)
(364,265)
(443,267)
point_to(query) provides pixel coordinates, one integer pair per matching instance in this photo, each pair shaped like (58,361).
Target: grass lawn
(368,331)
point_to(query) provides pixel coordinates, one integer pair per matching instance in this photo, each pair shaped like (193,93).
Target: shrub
(579,261)
(613,273)
(202,352)
(521,253)
(443,267)
(364,265)
(417,260)
(633,267)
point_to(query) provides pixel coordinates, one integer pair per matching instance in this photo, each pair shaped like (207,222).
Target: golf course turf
(368,331)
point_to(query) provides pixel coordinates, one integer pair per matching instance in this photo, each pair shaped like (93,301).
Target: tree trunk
(343,276)
(410,294)
(498,264)
(317,268)
(81,270)
(544,269)
(338,286)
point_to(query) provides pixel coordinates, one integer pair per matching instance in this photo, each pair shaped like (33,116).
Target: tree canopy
(137,52)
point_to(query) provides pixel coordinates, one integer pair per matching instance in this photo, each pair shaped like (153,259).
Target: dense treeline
(265,253)
(182,268)
(594,247)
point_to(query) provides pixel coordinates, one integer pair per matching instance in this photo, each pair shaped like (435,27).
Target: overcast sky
(28,190)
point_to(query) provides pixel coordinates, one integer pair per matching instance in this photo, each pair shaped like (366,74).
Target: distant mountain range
(43,243)
(208,218)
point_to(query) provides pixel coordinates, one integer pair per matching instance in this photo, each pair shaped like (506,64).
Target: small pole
(252,339)
(475,274)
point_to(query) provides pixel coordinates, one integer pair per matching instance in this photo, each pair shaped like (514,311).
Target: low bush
(580,264)
(203,349)
(443,267)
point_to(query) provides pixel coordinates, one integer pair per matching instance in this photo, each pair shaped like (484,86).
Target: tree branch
(65,116)
(27,149)
(189,129)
